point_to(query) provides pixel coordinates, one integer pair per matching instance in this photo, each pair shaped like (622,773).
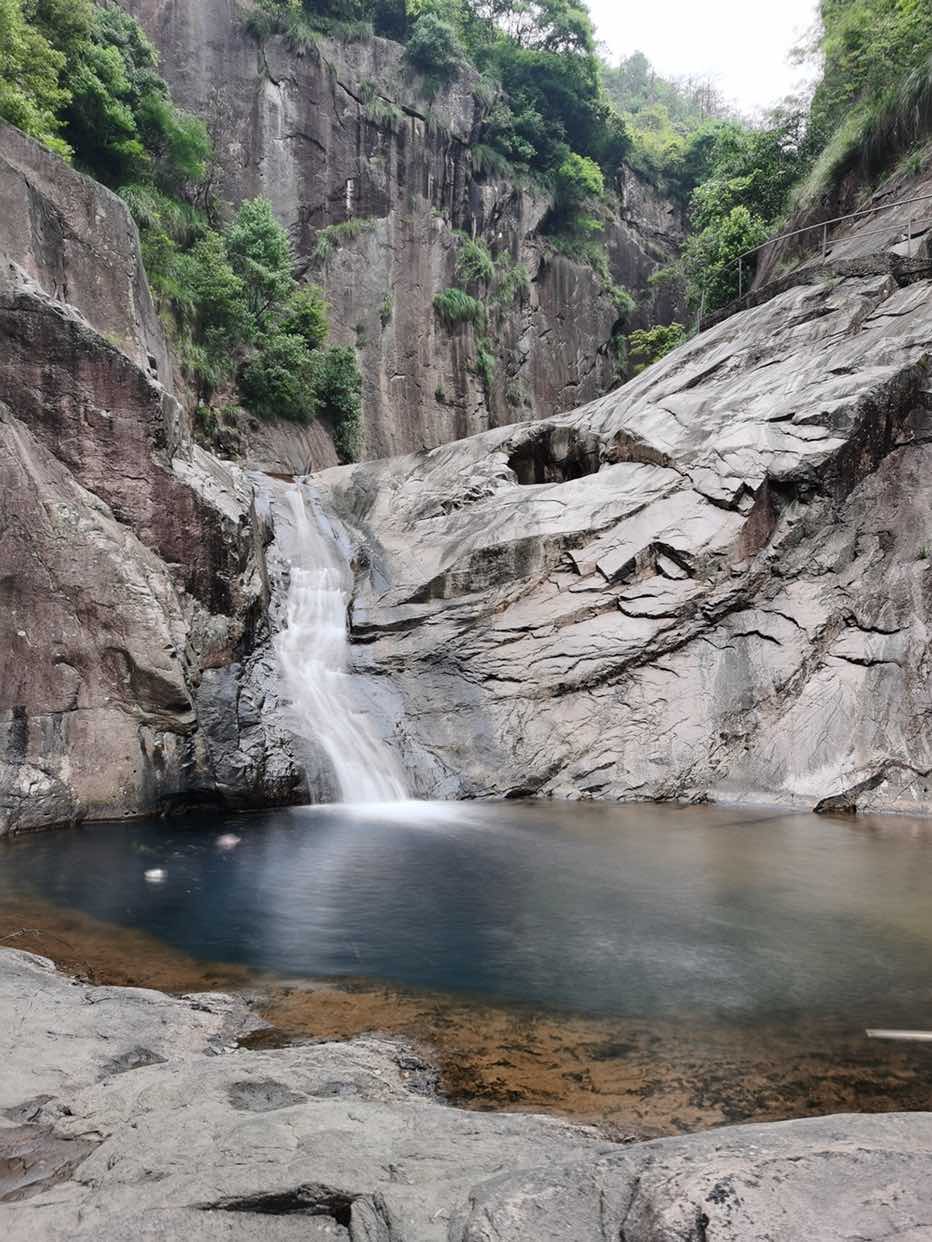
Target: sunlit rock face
(132,586)
(342,131)
(713,583)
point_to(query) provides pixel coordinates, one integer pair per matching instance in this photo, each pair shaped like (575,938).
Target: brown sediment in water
(104,953)
(643,1078)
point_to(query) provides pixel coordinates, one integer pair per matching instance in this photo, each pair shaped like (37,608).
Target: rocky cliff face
(133,591)
(714,583)
(341,132)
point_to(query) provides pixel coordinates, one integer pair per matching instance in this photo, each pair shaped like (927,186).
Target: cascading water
(314,655)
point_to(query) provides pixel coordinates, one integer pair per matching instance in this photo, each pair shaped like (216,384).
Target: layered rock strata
(133,589)
(714,583)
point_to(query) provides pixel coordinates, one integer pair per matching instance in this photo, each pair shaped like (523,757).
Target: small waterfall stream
(314,655)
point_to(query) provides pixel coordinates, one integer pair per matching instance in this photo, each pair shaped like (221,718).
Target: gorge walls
(132,587)
(343,132)
(713,583)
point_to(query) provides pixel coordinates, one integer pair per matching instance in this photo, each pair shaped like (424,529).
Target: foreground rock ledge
(127,1114)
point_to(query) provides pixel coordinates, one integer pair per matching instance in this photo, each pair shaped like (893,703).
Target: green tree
(434,47)
(649,345)
(280,379)
(711,256)
(212,299)
(260,254)
(306,314)
(119,118)
(31,94)
(338,387)
(579,187)
(867,48)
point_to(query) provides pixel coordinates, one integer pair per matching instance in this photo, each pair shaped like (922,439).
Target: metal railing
(826,225)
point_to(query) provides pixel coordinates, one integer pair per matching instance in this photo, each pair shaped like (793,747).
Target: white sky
(742,44)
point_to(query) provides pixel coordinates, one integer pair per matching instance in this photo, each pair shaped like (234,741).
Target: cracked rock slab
(671,593)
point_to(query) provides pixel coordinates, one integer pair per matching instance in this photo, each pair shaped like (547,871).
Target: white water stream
(314,653)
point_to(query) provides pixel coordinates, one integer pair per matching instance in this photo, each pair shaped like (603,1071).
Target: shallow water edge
(645,1074)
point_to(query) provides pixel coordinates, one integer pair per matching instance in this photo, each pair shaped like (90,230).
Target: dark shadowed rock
(133,577)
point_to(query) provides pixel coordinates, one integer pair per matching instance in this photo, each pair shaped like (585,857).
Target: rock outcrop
(140,1119)
(714,583)
(133,590)
(343,132)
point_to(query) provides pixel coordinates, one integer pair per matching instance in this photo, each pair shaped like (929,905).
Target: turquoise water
(639,910)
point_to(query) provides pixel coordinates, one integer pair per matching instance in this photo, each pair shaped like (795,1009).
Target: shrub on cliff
(278,381)
(649,345)
(454,307)
(338,388)
(434,47)
(710,258)
(307,315)
(260,254)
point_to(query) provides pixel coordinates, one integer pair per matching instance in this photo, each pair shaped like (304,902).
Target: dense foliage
(537,58)
(83,78)
(871,105)
(649,345)
(669,121)
(731,178)
(873,101)
(246,319)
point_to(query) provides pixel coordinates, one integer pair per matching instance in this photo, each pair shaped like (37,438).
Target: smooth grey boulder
(832,1179)
(346,1141)
(59,1035)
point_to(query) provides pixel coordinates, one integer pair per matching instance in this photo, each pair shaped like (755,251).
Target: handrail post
(740,276)
(909,237)
(824,240)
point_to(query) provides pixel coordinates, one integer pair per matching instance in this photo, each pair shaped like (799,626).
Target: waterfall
(314,653)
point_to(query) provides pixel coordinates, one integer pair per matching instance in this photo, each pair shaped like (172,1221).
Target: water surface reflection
(636,911)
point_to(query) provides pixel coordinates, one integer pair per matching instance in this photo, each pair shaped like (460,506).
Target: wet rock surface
(345,1141)
(133,589)
(713,583)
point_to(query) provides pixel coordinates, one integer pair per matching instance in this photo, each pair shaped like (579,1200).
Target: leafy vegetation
(455,307)
(540,76)
(873,101)
(474,263)
(871,107)
(334,237)
(512,282)
(255,321)
(83,79)
(649,345)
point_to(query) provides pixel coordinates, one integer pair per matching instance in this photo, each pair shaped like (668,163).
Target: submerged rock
(340,1141)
